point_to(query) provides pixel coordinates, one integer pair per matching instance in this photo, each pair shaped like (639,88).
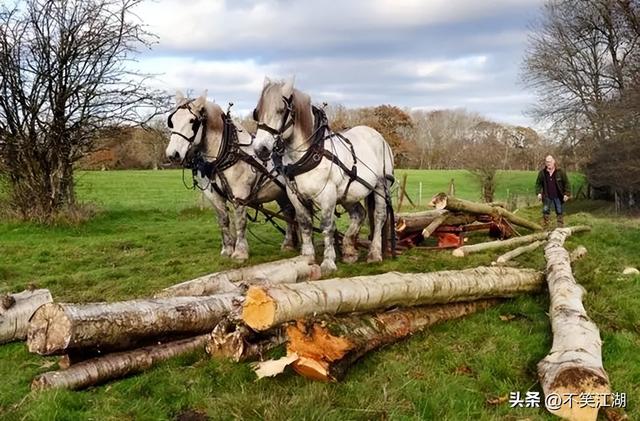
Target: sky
(416,54)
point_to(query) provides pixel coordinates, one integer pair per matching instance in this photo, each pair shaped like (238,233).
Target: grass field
(150,233)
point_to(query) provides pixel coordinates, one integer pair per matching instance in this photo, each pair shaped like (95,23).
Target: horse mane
(214,117)
(303,114)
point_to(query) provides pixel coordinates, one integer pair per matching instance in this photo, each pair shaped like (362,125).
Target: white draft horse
(323,168)
(220,152)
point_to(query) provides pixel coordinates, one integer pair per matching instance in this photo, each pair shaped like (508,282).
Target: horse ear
(287,88)
(266,82)
(179,97)
(200,101)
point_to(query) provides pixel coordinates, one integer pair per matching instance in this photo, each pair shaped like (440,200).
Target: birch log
(418,221)
(283,271)
(265,306)
(112,366)
(57,328)
(327,346)
(442,201)
(511,242)
(517,252)
(17,309)
(433,225)
(574,364)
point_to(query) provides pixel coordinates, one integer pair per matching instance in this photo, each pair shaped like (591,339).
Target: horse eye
(192,120)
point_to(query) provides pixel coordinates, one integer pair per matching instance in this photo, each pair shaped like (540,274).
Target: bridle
(195,126)
(288,120)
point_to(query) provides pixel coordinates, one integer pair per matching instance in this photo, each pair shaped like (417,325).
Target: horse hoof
(328,266)
(287,247)
(349,258)
(373,258)
(240,255)
(227,252)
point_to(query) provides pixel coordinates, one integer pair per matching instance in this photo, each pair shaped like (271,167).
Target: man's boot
(560,219)
(545,221)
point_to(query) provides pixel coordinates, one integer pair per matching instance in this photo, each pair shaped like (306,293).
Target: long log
(511,242)
(112,366)
(327,346)
(17,309)
(283,271)
(433,225)
(512,254)
(238,342)
(574,364)
(265,306)
(442,201)
(58,328)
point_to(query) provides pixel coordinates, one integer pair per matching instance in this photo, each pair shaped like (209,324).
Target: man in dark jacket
(553,189)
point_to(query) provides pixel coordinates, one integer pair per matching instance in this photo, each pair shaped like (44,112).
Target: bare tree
(65,76)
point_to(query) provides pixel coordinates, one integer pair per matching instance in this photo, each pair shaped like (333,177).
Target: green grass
(150,233)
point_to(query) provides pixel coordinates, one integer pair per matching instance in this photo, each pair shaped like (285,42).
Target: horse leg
(350,240)
(379,217)
(328,226)
(241,251)
(304,217)
(220,207)
(290,235)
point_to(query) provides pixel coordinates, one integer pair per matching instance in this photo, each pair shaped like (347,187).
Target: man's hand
(539,196)
(565,198)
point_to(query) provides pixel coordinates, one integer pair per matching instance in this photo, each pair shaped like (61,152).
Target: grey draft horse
(205,139)
(323,169)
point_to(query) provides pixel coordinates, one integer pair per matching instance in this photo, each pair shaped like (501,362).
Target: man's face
(550,163)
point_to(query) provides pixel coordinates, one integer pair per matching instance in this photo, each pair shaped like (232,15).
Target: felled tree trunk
(283,271)
(57,328)
(112,366)
(327,346)
(238,342)
(517,252)
(511,242)
(17,309)
(442,201)
(574,364)
(265,307)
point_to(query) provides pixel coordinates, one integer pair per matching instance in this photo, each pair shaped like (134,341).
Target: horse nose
(262,152)
(174,156)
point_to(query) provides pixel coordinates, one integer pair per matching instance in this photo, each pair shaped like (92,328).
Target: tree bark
(239,343)
(112,366)
(327,346)
(265,307)
(511,242)
(574,364)
(442,201)
(57,328)
(410,223)
(16,312)
(517,252)
(283,271)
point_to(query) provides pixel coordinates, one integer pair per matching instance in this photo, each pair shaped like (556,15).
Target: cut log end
(316,341)
(259,309)
(44,337)
(313,369)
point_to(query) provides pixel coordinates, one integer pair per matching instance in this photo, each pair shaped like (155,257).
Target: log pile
(453,217)
(325,325)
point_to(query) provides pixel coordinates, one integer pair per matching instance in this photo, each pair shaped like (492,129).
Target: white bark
(14,320)
(283,271)
(517,252)
(511,242)
(265,307)
(574,364)
(112,366)
(56,328)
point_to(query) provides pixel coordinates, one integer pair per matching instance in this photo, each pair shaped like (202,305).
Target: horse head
(275,116)
(191,122)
